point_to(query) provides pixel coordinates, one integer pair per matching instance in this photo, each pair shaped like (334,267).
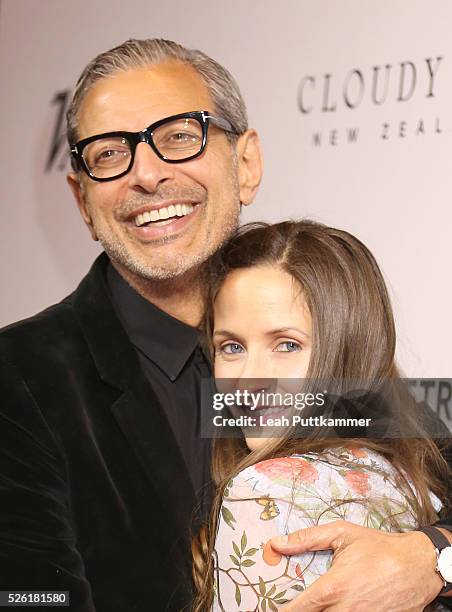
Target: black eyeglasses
(175,139)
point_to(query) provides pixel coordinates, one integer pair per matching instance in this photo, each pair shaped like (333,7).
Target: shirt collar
(166,341)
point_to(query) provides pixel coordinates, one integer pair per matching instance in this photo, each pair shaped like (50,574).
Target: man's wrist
(446,531)
(442,583)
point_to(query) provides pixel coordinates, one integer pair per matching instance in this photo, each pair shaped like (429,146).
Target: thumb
(331,536)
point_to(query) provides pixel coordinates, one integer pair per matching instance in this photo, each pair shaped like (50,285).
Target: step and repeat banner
(353,103)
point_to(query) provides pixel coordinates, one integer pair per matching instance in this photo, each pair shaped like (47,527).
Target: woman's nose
(256,375)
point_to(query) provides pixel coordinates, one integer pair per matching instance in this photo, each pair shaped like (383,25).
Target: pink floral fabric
(358,482)
(283,469)
(282,495)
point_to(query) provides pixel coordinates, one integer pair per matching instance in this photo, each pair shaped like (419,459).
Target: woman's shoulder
(282,471)
(341,471)
(308,467)
(281,476)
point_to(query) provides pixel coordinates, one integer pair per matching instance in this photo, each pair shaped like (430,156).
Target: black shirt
(174,364)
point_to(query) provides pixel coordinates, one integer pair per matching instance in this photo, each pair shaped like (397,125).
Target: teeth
(179,210)
(274,410)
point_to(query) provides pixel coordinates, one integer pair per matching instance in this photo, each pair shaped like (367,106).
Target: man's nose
(148,170)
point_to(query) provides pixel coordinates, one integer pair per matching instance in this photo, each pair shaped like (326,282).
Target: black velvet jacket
(95,497)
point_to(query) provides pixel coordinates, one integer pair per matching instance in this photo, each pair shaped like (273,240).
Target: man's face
(209,188)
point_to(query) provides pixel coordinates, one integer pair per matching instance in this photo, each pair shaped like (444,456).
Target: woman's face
(262,330)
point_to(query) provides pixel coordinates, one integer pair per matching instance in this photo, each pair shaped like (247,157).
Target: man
(102,467)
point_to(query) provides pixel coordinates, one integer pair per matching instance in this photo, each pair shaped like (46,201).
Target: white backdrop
(381,170)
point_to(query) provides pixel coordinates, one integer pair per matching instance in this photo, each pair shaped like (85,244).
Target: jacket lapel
(137,409)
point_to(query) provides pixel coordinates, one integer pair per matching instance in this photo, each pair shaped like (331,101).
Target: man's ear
(250,165)
(77,190)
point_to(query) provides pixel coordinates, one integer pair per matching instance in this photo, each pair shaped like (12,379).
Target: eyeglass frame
(134,138)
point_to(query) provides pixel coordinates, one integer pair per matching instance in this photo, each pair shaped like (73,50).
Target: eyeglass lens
(176,140)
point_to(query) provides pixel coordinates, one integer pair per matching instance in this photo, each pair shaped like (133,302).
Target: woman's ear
(79,196)
(250,165)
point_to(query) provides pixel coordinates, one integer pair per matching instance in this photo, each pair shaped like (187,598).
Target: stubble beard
(178,264)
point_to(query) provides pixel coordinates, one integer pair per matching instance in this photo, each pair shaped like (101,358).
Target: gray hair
(135,53)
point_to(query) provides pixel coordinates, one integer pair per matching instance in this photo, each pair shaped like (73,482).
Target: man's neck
(180,297)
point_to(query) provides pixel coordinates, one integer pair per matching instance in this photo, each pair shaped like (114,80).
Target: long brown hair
(353,338)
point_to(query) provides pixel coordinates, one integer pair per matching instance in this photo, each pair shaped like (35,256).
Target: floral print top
(281,495)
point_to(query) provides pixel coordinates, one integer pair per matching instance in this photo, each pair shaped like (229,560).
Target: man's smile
(163,213)
(162,221)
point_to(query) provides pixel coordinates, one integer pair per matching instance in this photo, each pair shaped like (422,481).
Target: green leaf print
(248,563)
(374,521)
(334,490)
(238,595)
(250,552)
(243,541)
(226,489)
(228,517)
(236,549)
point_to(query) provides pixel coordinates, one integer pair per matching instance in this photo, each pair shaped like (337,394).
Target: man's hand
(372,571)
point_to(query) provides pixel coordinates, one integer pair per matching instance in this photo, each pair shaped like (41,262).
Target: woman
(302,300)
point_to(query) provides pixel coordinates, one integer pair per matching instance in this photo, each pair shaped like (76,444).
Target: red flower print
(283,468)
(298,571)
(358,481)
(270,555)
